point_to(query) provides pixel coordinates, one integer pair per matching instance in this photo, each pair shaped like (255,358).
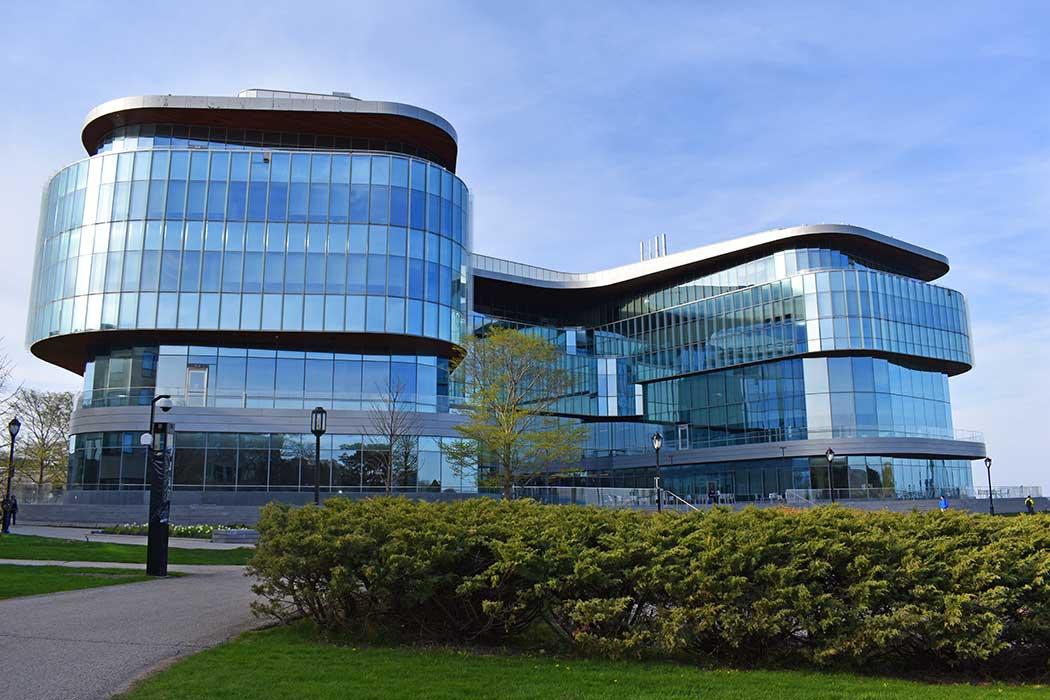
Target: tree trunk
(390,472)
(508,480)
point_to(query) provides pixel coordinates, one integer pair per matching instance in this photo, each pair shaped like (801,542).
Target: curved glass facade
(847,310)
(255,378)
(328,269)
(802,344)
(802,398)
(781,265)
(290,241)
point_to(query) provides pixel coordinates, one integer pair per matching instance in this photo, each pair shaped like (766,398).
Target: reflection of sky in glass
(253,241)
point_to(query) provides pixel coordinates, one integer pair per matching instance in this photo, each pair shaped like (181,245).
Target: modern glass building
(260,255)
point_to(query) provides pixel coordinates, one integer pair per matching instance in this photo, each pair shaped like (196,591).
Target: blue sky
(585,127)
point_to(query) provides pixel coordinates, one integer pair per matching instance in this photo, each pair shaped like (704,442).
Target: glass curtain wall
(262,462)
(756,480)
(287,241)
(254,378)
(804,398)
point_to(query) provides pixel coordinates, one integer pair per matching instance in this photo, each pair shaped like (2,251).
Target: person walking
(943,504)
(1029,505)
(14,510)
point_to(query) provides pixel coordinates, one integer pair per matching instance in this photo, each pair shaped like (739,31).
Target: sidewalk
(85,534)
(89,644)
(177,568)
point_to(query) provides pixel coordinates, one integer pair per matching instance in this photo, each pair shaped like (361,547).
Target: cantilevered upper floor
(805,289)
(271,119)
(892,254)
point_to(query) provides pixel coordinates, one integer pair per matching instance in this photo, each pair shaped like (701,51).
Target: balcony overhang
(918,447)
(72,351)
(391,121)
(552,289)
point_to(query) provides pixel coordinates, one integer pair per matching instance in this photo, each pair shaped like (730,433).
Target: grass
(291,662)
(37,548)
(36,580)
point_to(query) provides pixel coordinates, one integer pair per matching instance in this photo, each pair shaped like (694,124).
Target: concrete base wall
(1002,505)
(131,507)
(102,515)
(99,508)
(238,498)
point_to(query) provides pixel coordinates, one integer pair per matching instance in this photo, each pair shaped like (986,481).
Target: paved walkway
(85,533)
(89,644)
(177,568)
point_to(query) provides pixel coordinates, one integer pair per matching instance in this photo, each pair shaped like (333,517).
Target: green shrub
(828,587)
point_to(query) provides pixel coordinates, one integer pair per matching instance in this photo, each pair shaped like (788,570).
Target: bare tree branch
(393,416)
(7,388)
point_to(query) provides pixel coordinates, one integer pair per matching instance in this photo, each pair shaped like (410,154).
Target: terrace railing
(636,498)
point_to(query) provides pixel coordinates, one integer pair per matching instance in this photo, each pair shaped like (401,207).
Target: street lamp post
(658,441)
(318,425)
(830,454)
(12,429)
(157,466)
(783,458)
(988,466)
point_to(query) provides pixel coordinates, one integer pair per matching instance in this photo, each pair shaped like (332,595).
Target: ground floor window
(751,480)
(263,462)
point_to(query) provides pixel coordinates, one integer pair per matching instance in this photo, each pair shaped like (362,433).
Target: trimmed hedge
(828,587)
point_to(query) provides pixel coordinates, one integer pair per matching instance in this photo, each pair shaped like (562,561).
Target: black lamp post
(830,454)
(988,466)
(12,428)
(318,425)
(157,466)
(658,441)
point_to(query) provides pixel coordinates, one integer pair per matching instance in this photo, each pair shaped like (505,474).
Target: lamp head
(318,421)
(658,440)
(145,439)
(830,454)
(164,403)
(987,462)
(13,427)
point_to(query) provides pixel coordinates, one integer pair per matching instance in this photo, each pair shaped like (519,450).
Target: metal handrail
(889,493)
(792,498)
(751,437)
(678,498)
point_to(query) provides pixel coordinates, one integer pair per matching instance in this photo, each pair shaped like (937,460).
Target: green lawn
(37,548)
(289,662)
(18,581)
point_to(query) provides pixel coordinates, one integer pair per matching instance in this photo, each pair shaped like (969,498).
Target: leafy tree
(393,416)
(512,385)
(42,448)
